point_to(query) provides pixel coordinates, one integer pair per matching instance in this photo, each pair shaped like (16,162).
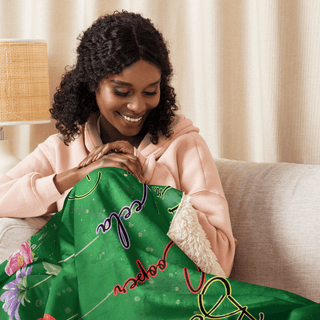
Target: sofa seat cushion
(275,216)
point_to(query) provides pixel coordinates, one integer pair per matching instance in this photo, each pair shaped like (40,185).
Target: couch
(275,215)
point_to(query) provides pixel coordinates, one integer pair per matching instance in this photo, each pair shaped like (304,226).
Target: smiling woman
(116,108)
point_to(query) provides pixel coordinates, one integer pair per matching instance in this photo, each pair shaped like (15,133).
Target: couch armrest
(13,232)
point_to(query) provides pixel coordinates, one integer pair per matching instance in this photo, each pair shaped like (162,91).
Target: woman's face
(125,99)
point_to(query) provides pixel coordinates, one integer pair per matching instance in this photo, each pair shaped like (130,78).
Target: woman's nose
(137,106)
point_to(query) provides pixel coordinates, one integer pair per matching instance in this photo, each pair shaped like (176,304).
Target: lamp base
(7,159)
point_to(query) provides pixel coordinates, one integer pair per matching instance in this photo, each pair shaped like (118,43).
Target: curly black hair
(114,42)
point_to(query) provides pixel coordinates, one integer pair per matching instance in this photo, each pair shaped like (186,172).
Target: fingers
(96,154)
(127,162)
(124,147)
(113,147)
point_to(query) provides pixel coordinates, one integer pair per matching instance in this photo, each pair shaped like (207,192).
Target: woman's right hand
(125,161)
(119,154)
(104,149)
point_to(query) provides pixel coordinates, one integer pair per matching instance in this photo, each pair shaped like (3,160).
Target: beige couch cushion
(275,215)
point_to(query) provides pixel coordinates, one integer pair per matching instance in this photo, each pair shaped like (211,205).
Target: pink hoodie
(182,161)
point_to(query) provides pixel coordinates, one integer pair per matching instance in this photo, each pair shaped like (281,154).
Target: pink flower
(47,317)
(20,258)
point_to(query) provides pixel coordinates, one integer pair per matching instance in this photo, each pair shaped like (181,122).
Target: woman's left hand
(112,147)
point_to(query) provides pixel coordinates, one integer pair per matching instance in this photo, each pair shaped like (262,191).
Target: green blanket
(106,255)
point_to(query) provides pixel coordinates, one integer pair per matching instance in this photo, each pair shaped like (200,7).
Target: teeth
(130,119)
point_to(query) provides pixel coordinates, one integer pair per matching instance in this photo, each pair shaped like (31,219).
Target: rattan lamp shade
(24,82)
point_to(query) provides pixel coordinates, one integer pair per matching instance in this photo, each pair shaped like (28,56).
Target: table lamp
(24,89)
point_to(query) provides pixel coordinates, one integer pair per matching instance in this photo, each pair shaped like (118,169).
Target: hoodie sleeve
(189,164)
(28,189)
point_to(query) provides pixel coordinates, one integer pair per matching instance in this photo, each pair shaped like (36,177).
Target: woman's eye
(126,93)
(150,93)
(121,93)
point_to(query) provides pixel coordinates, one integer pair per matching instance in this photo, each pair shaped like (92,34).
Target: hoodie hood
(180,126)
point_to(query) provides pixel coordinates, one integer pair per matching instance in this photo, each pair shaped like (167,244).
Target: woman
(116,108)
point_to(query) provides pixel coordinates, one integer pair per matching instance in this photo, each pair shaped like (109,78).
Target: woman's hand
(112,147)
(119,154)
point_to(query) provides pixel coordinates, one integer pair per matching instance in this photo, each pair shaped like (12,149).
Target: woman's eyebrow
(122,83)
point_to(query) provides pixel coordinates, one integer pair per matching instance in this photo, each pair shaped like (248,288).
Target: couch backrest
(275,216)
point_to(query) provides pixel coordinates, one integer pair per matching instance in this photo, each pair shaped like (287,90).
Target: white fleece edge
(187,233)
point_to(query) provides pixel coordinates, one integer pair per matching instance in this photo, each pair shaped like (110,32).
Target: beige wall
(246,71)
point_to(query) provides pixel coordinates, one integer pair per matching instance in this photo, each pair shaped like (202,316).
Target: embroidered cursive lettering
(208,314)
(90,191)
(144,274)
(188,281)
(126,212)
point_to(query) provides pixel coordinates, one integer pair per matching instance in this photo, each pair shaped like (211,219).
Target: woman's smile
(130,119)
